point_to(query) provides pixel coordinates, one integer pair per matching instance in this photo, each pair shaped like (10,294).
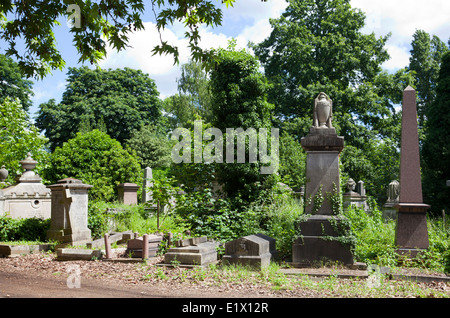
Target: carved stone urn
(323,110)
(3,174)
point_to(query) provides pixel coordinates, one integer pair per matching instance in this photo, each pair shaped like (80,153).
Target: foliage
(96,159)
(164,196)
(437,144)
(152,147)
(29,229)
(119,100)
(193,98)
(18,137)
(374,238)
(292,161)
(425,61)
(13,84)
(95,26)
(239,101)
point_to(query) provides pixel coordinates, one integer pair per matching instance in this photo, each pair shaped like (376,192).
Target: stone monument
(146,193)
(393,192)
(28,197)
(69,212)
(352,198)
(411,232)
(322,146)
(252,250)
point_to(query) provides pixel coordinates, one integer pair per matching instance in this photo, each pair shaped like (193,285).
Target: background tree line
(315,45)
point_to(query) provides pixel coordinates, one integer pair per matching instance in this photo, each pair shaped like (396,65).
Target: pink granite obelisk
(411,231)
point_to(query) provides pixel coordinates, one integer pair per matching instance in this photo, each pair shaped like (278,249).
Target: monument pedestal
(322,234)
(411,232)
(321,241)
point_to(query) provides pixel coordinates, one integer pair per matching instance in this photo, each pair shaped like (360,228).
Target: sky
(248,20)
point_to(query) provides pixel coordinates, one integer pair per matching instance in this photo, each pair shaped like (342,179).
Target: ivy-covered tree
(96,159)
(239,101)
(119,101)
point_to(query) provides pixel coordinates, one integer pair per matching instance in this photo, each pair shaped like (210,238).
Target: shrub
(30,229)
(96,159)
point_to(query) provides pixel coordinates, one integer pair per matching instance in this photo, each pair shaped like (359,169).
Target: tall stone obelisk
(411,231)
(322,146)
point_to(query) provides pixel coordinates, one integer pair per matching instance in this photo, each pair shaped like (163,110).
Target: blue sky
(247,21)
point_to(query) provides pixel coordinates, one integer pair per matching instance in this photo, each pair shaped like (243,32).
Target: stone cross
(411,231)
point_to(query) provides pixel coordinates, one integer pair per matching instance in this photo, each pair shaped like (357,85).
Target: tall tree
(120,100)
(13,84)
(97,24)
(239,101)
(436,147)
(425,61)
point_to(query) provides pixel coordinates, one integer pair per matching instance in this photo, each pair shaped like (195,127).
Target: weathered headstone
(146,193)
(135,247)
(128,193)
(411,231)
(389,210)
(28,197)
(322,146)
(352,198)
(252,250)
(69,212)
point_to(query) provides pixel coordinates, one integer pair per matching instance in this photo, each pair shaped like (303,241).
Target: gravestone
(322,146)
(135,246)
(389,210)
(146,193)
(28,197)
(128,193)
(253,250)
(352,198)
(411,230)
(192,253)
(69,212)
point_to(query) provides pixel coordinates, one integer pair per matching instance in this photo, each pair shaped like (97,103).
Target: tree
(436,146)
(96,25)
(13,84)
(96,159)
(18,137)
(425,61)
(120,101)
(239,101)
(152,147)
(318,46)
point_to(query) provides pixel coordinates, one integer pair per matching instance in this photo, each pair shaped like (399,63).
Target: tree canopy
(120,100)
(95,25)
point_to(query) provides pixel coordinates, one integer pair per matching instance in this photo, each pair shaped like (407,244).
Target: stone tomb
(253,250)
(136,245)
(201,253)
(28,197)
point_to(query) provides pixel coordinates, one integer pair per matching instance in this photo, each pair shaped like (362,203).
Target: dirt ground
(42,276)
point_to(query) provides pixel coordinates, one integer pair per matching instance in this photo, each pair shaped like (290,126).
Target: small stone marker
(135,246)
(411,232)
(252,250)
(128,193)
(107,247)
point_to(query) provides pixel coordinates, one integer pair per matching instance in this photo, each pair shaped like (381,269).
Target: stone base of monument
(411,230)
(321,242)
(201,254)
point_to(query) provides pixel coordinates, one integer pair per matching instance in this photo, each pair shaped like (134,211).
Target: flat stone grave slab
(71,254)
(119,237)
(201,254)
(7,250)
